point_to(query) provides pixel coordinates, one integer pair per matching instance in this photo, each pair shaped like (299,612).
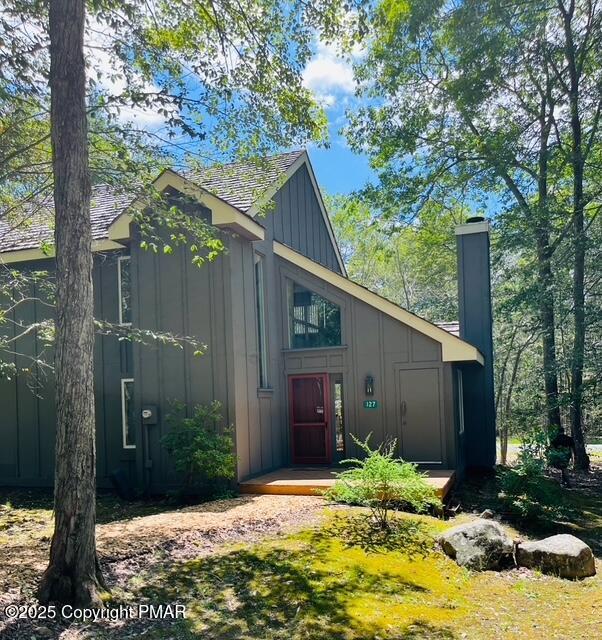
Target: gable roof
(453,348)
(238,184)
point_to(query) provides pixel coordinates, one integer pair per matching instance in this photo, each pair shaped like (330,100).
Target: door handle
(404,408)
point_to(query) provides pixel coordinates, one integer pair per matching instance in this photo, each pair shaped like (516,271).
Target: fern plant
(383,482)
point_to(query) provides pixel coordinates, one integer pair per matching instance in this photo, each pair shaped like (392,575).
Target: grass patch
(318,585)
(315,585)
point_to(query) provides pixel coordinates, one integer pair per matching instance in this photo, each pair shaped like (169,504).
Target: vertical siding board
(99,390)
(26,399)
(9,452)
(256,433)
(239,376)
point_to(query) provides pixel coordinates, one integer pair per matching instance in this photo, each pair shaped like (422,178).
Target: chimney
(476,327)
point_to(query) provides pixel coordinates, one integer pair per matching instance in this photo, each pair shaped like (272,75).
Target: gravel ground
(128,547)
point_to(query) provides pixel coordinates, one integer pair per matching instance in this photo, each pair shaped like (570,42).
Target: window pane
(261,329)
(129,422)
(315,321)
(125,292)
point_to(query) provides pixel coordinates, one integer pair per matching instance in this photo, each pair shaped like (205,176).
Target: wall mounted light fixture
(369,385)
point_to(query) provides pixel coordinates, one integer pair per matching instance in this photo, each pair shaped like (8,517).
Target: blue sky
(338,169)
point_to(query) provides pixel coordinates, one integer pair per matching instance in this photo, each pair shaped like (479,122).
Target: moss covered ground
(312,585)
(331,580)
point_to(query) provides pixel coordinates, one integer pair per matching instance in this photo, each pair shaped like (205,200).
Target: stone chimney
(476,327)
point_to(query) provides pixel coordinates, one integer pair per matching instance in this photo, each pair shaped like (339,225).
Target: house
(299,356)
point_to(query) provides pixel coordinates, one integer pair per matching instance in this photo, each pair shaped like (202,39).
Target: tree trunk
(544,263)
(73,574)
(577,161)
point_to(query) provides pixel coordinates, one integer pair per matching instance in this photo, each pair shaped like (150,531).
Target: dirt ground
(127,546)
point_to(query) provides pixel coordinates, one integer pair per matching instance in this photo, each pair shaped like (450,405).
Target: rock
(479,545)
(487,514)
(563,555)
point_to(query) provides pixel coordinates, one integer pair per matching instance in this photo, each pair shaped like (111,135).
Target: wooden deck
(309,481)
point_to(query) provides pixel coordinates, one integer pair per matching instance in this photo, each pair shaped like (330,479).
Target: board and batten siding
(296,220)
(170,294)
(405,364)
(28,417)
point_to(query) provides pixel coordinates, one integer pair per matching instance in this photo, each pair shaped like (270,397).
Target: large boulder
(562,555)
(479,545)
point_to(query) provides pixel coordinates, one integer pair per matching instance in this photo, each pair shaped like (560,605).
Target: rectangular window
(128,422)
(339,418)
(460,403)
(261,326)
(125,290)
(314,321)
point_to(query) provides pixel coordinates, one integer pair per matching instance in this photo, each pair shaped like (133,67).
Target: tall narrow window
(314,321)
(261,328)
(339,418)
(460,403)
(125,290)
(128,422)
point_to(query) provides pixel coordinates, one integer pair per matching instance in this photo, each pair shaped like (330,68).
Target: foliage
(383,482)
(526,491)
(495,107)
(412,264)
(201,452)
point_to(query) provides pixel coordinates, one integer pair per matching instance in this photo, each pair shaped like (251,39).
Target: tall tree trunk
(544,260)
(73,574)
(577,161)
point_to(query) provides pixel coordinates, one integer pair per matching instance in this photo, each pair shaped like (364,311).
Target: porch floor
(309,481)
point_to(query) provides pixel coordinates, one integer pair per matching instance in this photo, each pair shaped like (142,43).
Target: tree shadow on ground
(543,508)
(280,593)
(409,534)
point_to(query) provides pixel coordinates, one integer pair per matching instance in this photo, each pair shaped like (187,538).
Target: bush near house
(383,482)
(202,453)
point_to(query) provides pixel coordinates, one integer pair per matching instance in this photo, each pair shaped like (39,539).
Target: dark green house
(299,355)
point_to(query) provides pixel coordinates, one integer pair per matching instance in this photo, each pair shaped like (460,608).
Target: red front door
(309,400)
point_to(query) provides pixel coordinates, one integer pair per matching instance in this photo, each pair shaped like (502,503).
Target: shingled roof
(240,184)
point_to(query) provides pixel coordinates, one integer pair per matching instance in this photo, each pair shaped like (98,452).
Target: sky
(337,168)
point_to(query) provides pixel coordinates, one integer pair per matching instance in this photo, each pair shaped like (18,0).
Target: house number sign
(370,404)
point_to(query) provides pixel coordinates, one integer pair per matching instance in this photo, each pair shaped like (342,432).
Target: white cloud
(108,71)
(328,74)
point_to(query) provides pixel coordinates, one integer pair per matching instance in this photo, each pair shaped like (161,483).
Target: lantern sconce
(369,385)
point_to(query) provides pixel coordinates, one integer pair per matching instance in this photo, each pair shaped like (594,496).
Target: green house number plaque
(370,404)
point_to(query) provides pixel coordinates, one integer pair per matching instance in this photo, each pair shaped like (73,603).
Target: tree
(224,77)
(413,265)
(469,101)
(73,574)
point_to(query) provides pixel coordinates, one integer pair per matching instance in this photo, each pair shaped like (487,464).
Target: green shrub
(204,456)
(526,491)
(383,482)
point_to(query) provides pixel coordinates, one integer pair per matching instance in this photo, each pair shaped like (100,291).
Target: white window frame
(262,332)
(124,414)
(119,261)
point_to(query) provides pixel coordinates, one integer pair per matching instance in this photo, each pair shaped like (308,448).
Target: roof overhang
(223,215)
(453,349)
(26,255)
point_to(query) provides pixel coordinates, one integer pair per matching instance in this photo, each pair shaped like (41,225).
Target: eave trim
(223,215)
(453,349)
(27,255)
